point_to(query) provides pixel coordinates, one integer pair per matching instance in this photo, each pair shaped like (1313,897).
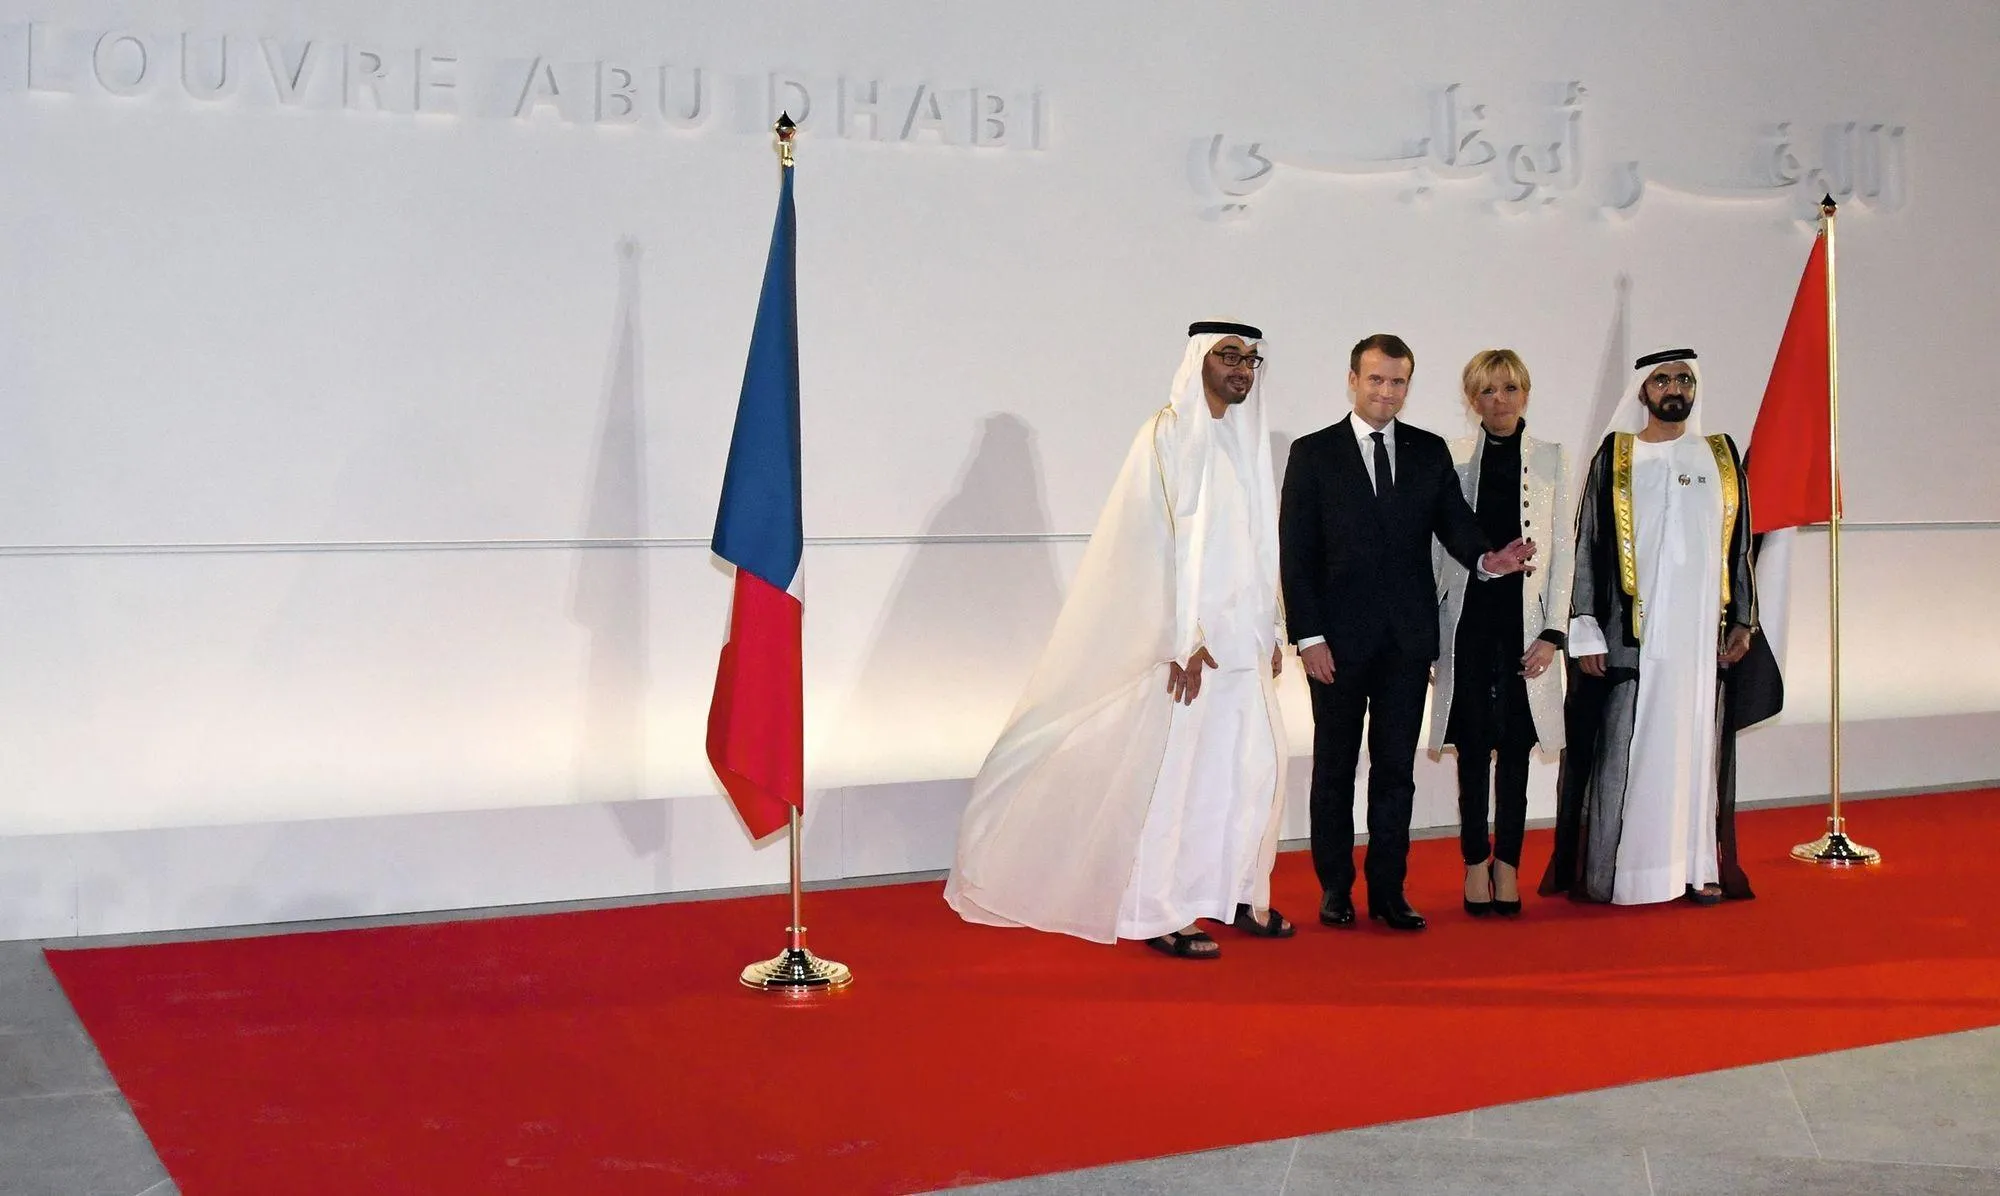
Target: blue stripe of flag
(760,523)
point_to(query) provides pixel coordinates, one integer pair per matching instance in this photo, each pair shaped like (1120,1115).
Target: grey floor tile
(1378,1163)
(1746,1110)
(1035,1185)
(30,998)
(1450,1125)
(87,1145)
(56,1060)
(1699,1175)
(1931,1100)
(1255,1170)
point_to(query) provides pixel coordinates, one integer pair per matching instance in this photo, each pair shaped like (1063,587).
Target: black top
(1491,615)
(1498,506)
(1498,503)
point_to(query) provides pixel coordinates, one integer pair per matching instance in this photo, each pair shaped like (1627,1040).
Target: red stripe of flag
(756,720)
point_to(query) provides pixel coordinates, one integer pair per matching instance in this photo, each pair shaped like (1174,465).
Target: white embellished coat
(1548,517)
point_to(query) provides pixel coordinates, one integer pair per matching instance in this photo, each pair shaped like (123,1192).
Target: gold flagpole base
(797,972)
(1836,849)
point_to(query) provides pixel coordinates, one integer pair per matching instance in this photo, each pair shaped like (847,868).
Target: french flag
(756,719)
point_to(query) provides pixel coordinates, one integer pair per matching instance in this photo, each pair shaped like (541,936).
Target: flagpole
(1834,847)
(795,971)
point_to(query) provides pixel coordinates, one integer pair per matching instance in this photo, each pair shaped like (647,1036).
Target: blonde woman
(1499,678)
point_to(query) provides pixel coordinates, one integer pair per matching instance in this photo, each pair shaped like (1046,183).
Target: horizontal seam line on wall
(299,546)
(686,542)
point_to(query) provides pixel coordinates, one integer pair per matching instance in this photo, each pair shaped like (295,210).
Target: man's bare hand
(1184,681)
(1512,559)
(1541,654)
(1318,662)
(1735,646)
(1277,659)
(1594,665)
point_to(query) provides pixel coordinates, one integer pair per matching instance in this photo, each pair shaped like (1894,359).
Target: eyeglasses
(1662,381)
(1230,358)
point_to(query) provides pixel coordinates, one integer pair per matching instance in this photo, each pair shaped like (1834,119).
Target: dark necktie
(1385,479)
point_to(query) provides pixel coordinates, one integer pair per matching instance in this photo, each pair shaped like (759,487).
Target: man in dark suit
(1362,500)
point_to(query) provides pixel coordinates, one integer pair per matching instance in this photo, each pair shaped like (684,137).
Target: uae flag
(756,718)
(1790,463)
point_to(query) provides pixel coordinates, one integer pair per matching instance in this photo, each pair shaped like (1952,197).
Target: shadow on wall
(1281,454)
(965,622)
(608,595)
(1613,376)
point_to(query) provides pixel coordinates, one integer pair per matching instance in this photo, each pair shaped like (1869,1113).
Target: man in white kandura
(1137,788)
(1664,600)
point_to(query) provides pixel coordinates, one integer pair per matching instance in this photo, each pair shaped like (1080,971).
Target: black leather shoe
(1396,914)
(1336,909)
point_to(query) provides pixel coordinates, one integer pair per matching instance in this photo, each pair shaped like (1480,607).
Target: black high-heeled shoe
(1479,909)
(1506,909)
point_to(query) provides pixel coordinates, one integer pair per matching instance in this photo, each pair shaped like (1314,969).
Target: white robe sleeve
(1586,638)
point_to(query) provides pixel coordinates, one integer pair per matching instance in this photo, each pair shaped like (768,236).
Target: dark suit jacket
(1358,571)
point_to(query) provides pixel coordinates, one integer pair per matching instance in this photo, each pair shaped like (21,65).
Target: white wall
(315,420)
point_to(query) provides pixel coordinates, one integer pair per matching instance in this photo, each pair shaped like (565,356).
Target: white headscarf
(1631,413)
(1186,438)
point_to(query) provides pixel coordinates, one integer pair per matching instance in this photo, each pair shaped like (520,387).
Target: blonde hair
(1488,364)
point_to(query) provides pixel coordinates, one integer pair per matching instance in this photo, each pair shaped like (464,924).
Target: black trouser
(1388,688)
(1510,802)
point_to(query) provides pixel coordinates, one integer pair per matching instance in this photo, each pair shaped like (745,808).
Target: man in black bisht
(1663,615)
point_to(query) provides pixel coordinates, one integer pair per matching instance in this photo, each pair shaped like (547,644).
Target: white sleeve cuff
(1310,640)
(1586,638)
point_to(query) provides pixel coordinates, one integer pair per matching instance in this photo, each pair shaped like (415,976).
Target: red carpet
(613,1052)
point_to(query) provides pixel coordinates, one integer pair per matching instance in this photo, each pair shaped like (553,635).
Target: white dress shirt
(1365,437)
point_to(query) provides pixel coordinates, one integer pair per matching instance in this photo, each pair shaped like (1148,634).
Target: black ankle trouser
(1510,802)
